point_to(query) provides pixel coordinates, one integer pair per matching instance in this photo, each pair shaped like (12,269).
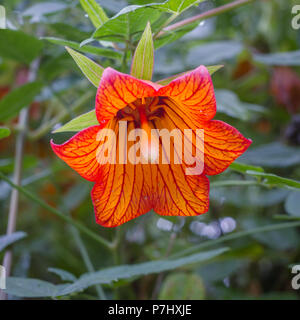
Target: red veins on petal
(125,191)
(116,90)
(80,152)
(194,91)
(222,145)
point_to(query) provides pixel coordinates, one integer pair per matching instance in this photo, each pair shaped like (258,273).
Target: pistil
(148,150)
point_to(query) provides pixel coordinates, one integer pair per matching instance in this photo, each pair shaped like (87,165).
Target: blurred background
(258,92)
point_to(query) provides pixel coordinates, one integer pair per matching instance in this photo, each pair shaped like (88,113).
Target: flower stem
(202,16)
(232,183)
(87,261)
(167,22)
(64,217)
(236,235)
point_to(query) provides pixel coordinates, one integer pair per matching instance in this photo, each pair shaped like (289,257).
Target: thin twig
(235,235)
(160,277)
(202,16)
(46,127)
(14,199)
(61,215)
(87,261)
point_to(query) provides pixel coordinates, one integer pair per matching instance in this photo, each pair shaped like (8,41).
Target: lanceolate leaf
(17,99)
(79,123)
(243,168)
(63,274)
(133,19)
(177,6)
(105,52)
(275,180)
(11,238)
(127,22)
(91,69)
(94,11)
(37,288)
(143,60)
(17,45)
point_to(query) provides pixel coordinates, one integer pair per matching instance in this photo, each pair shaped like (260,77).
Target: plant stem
(64,217)
(46,127)
(236,235)
(14,199)
(167,22)
(202,16)
(87,261)
(160,277)
(232,183)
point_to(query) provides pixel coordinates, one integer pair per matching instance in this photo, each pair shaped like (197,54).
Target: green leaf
(4,132)
(11,238)
(275,155)
(243,168)
(129,271)
(91,69)
(143,59)
(17,45)
(177,6)
(133,19)
(68,31)
(63,274)
(182,286)
(105,52)
(229,103)
(2,18)
(211,70)
(37,288)
(95,12)
(291,58)
(15,100)
(292,204)
(30,288)
(128,21)
(79,123)
(274,180)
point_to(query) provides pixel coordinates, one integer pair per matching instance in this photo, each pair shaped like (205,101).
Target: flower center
(142,112)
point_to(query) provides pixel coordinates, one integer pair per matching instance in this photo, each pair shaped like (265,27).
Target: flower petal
(79,152)
(181,196)
(194,92)
(223,144)
(116,90)
(122,193)
(176,193)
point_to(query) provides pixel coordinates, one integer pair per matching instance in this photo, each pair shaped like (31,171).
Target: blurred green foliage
(257,92)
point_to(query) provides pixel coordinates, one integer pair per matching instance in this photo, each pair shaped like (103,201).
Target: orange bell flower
(124,191)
